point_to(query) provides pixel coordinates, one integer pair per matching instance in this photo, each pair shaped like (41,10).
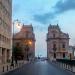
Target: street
(39,68)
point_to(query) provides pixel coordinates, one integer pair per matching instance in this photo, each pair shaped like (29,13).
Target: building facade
(5,30)
(26,39)
(71,52)
(57,43)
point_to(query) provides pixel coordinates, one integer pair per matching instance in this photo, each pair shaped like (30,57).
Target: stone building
(71,52)
(57,43)
(26,38)
(5,30)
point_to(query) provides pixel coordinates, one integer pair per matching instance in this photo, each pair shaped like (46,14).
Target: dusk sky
(42,13)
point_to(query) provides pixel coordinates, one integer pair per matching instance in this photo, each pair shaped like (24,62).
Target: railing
(66,64)
(8,67)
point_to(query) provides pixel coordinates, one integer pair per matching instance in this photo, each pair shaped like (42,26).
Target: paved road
(39,68)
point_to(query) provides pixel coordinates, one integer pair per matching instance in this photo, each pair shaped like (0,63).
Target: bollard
(10,66)
(73,68)
(62,65)
(22,63)
(65,66)
(3,68)
(68,67)
(13,66)
(7,67)
(19,64)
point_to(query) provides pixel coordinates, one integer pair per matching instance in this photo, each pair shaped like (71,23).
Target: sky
(42,13)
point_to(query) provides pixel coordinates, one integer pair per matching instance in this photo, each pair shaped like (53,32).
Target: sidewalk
(3,66)
(7,67)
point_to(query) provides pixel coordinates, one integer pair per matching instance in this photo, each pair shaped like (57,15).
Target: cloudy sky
(41,13)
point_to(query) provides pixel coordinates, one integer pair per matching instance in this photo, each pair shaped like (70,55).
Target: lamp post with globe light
(16,24)
(28,43)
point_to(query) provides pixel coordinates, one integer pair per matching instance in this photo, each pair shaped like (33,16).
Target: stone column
(8,55)
(4,55)
(0,55)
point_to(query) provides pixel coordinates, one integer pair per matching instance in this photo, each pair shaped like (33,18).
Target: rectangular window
(54,55)
(0,6)
(53,35)
(0,37)
(63,46)
(54,47)
(0,21)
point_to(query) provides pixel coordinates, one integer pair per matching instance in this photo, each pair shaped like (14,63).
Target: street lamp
(28,43)
(17,23)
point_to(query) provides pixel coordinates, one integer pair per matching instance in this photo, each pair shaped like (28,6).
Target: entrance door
(54,55)
(63,55)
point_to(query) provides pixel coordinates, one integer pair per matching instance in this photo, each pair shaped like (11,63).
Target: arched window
(63,45)
(54,47)
(17,44)
(54,55)
(63,55)
(54,35)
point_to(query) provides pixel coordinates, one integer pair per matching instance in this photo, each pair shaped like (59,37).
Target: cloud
(44,18)
(16,8)
(40,28)
(59,8)
(64,6)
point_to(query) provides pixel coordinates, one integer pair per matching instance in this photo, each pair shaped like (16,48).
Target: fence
(8,67)
(66,64)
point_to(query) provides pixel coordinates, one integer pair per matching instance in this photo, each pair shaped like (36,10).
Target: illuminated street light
(30,42)
(18,25)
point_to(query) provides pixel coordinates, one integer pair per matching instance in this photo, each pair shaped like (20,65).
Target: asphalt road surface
(39,68)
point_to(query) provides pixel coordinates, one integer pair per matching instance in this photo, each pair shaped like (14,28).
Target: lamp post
(27,51)
(18,26)
(28,43)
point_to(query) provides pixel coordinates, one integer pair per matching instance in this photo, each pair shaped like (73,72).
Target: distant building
(5,30)
(57,43)
(26,35)
(71,52)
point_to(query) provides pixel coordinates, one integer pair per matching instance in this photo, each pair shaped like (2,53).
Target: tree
(18,53)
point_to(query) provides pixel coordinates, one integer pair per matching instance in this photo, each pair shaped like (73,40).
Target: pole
(27,46)
(12,64)
(27,52)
